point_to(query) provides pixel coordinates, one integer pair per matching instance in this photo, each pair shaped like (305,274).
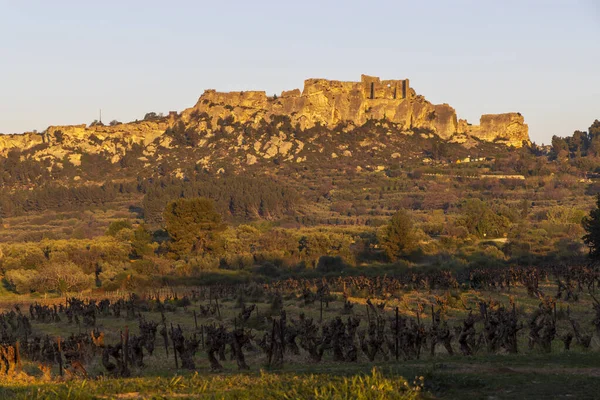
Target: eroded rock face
(507,128)
(16,141)
(142,132)
(58,141)
(325,102)
(329,103)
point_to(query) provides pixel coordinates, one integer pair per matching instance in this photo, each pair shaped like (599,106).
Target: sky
(62,61)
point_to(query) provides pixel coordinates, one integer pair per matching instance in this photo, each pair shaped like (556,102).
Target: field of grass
(573,375)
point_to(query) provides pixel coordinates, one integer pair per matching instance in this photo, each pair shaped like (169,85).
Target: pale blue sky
(60,61)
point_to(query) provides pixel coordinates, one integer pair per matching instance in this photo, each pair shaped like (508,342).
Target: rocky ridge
(330,103)
(220,123)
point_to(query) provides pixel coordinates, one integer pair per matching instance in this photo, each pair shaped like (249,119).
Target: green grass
(260,385)
(537,376)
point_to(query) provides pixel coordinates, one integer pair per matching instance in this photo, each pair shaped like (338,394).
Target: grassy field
(573,375)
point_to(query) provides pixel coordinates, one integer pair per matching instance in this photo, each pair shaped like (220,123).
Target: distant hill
(259,157)
(250,127)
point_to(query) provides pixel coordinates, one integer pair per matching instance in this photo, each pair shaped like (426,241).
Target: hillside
(256,127)
(335,154)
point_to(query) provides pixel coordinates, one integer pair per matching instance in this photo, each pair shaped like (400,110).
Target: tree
(193,225)
(594,130)
(62,277)
(591,224)
(141,242)
(594,138)
(525,208)
(594,148)
(21,280)
(152,116)
(560,148)
(399,236)
(439,149)
(118,225)
(562,215)
(578,143)
(481,220)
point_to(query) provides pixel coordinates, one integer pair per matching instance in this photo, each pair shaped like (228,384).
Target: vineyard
(361,327)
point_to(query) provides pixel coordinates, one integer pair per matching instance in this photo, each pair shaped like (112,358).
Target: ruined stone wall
(317,86)
(374,88)
(368,85)
(237,99)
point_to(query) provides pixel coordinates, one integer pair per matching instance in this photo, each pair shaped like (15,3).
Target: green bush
(116,226)
(21,280)
(268,269)
(62,278)
(327,264)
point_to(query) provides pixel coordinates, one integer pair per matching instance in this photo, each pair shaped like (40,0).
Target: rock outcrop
(322,102)
(507,128)
(329,103)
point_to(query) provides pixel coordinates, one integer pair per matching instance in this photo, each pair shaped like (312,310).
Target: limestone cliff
(508,128)
(329,103)
(321,102)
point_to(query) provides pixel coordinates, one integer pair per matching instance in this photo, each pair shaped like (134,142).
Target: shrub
(21,280)
(268,269)
(327,264)
(22,256)
(141,243)
(237,261)
(109,272)
(204,263)
(62,278)
(116,226)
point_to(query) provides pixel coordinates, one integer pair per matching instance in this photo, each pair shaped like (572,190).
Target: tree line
(242,197)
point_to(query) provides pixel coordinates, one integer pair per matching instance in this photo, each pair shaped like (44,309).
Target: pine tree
(193,225)
(399,237)
(592,226)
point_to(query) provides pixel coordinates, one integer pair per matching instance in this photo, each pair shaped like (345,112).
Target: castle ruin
(331,102)
(375,88)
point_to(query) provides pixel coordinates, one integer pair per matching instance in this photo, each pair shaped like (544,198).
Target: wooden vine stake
(174,349)
(397,334)
(60,364)
(18,356)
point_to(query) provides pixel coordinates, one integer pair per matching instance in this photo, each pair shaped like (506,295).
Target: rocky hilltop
(241,128)
(330,103)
